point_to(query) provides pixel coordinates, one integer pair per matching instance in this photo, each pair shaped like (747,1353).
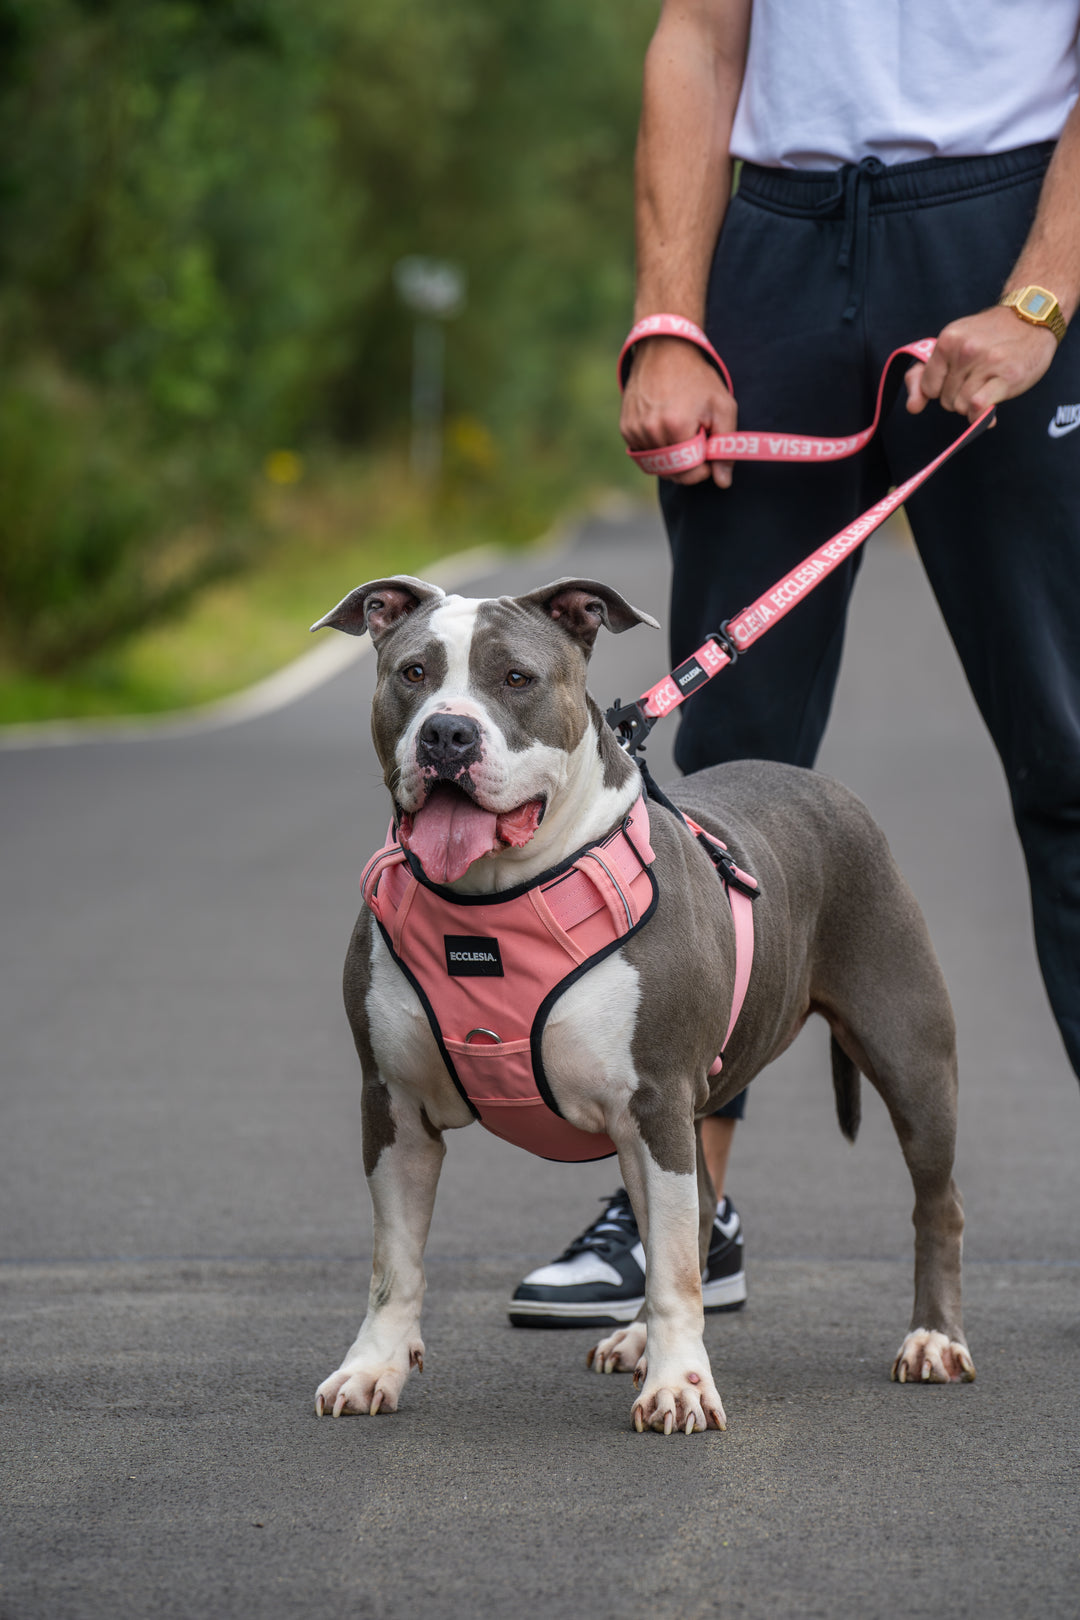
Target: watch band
(1037,306)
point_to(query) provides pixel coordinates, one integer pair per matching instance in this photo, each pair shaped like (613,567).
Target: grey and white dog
(838,933)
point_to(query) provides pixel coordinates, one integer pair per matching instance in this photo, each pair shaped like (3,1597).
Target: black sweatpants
(816,278)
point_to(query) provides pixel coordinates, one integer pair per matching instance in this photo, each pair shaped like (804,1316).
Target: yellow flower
(470,439)
(283,467)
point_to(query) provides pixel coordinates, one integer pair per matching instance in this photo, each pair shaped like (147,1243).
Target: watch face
(1035,302)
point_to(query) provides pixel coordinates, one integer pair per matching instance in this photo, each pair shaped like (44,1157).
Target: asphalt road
(184,1228)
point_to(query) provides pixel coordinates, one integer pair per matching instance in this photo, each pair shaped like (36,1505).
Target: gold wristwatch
(1038,306)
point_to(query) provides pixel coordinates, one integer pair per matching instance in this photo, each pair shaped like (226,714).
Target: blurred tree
(201,202)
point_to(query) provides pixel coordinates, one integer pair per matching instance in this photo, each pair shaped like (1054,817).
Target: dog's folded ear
(378,605)
(581,606)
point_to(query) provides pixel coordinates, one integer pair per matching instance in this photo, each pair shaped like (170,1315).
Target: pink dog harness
(489,968)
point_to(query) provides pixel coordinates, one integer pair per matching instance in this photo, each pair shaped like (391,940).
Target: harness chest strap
(742,915)
(488,1021)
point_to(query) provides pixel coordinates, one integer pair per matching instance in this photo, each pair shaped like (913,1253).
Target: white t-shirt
(832,81)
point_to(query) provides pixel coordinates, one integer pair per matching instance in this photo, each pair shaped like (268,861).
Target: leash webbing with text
(632,722)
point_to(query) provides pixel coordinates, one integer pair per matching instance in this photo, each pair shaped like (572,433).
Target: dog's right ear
(378,605)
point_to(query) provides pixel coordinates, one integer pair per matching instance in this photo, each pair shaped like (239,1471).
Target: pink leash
(632,722)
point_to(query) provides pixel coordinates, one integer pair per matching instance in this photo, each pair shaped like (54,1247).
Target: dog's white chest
(586,1047)
(587,1044)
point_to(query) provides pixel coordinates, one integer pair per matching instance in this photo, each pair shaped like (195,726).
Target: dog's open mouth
(450,831)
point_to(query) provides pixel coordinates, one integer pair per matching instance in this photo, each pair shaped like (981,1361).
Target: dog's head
(480,717)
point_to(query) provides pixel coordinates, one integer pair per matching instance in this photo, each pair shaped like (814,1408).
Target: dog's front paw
(929,1357)
(690,1403)
(621,1351)
(365,1387)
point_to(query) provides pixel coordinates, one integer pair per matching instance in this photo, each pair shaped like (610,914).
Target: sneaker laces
(610,1230)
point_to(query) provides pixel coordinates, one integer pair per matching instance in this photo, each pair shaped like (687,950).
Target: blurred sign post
(434,290)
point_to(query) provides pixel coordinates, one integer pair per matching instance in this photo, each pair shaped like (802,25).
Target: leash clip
(630,724)
(724,641)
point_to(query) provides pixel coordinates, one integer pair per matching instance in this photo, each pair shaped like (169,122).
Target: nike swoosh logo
(1058,430)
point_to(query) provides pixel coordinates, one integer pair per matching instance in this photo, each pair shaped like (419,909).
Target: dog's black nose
(450,742)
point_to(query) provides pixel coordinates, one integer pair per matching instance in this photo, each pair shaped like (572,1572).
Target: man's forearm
(693,75)
(1051,255)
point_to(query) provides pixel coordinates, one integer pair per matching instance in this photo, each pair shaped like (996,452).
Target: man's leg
(1001,546)
(717,1136)
(998,529)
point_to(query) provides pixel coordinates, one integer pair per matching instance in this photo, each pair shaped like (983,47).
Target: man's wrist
(1036,303)
(666,325)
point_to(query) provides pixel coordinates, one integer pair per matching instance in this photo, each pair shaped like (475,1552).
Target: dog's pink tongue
(449,833)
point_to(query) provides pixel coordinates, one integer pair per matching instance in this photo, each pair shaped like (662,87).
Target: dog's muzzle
(448,744)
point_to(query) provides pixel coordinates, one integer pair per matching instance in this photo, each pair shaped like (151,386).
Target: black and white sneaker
(599,1281)
(723,1282)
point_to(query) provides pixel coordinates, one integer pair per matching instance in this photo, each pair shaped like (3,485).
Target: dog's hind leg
(934,1349)
(890,1014)
(403,1155)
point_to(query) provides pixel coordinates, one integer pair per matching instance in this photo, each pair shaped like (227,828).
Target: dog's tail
(846,1085)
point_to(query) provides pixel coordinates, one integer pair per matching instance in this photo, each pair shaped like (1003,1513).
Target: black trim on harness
(500,895)
(432,1020)
(536,1034)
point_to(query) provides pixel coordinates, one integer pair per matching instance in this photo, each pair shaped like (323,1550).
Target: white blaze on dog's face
(480,717)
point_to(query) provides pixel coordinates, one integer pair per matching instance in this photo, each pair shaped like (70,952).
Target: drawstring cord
(854,255)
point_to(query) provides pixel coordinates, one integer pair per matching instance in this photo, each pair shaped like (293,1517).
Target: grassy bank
(340,522)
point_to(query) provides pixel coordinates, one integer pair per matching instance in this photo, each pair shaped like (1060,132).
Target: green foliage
(201,203)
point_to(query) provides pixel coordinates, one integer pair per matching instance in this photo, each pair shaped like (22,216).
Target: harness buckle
(729,872)
(630,724)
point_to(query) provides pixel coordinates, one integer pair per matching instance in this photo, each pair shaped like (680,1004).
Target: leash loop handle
(668,326)
(632,722)
(746,444)
(745,627)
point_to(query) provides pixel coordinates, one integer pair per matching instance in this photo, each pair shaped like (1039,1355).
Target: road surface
(185,1230)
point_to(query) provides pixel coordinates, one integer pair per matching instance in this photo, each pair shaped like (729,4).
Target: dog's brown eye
(413,673)
(517,680)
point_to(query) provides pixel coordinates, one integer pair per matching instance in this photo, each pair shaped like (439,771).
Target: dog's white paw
(621,1351)
(363,1388)
(928,1357)
(690,1403)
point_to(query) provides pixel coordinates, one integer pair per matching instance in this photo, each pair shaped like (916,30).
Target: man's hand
(981,360)
(673,392)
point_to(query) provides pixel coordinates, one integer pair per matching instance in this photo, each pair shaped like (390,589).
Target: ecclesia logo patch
(468,956)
